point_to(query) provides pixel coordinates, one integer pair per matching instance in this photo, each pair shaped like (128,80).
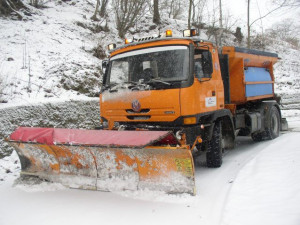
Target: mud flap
(109,167)
(284,125)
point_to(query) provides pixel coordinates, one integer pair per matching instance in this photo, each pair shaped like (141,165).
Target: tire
(273,124)
(257,137)
(214,155)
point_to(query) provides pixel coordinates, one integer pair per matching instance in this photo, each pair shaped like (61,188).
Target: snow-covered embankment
(69,114)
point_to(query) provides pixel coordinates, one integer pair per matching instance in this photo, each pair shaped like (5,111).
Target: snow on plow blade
(106,160)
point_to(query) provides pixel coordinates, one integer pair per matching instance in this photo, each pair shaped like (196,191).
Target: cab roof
(142,41)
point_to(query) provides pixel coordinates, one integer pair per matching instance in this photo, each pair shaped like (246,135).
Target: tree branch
(283,4)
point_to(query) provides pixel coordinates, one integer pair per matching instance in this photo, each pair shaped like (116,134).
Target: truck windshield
(167,64)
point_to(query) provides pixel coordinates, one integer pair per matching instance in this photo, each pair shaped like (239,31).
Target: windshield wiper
(131,82)
(152,81)
(113,87)
(110,87)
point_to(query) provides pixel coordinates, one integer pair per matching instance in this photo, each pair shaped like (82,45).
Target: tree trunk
(194,12)
(221,17)
(248,24)
(94,17)
(103,8)
(9,6)
(156,16)
(190,14)
(127,13)
(220,24)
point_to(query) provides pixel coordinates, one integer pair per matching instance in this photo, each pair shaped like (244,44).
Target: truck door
(207,72)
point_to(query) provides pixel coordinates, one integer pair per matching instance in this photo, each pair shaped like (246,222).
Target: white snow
(258,183)
(266,190)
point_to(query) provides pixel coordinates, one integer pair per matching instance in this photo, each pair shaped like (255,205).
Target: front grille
(130,111)
(138,117)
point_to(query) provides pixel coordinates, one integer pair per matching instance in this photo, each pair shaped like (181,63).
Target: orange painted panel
(155,43)
(160,105)
(108,169)
(204,96)
(237,62)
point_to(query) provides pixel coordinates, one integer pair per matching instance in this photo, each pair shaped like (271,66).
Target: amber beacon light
(168,33)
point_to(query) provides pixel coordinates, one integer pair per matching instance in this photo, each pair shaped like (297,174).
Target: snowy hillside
(49,55)
(288,75)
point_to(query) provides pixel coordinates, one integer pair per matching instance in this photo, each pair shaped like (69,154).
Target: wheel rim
(274,121)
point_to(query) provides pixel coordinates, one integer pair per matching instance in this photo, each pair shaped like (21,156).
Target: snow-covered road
(259,183)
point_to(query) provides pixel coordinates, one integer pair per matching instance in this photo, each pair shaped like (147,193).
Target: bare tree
(229,21)
(156,16)
(1,88)
(102,9)
(214,30)
(221,14)
(279,5)
(286,30)
(173,7)
(127,12)
(94,17)
(198,13)
(36,3)
(248,23)
(220,23)
(11,6)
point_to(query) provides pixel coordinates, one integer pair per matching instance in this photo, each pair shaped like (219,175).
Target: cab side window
(203,64)
(198,66)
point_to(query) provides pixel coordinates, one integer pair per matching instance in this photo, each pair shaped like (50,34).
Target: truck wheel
(257,137)
(214,150)
(273,124)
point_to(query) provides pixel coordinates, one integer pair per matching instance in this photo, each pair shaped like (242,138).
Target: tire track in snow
(214,185)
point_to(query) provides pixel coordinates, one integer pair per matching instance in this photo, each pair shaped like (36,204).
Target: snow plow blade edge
(106,160)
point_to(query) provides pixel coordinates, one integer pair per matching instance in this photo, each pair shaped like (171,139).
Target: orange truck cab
(186,85)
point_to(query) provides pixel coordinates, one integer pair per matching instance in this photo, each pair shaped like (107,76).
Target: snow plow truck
(164,101)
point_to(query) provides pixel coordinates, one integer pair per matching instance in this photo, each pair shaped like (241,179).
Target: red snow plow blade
(106,160)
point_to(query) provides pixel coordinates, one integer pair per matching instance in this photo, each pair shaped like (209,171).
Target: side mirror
(104,65)
(207,64)
(198,69)
(101,89)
